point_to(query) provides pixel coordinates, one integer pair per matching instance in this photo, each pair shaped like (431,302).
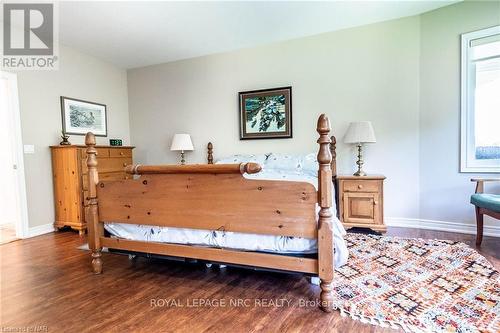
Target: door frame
(16,144)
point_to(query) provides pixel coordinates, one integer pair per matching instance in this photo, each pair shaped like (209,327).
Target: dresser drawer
(120,152)
(104,176)
(101,152)
(115,164)
(361,185)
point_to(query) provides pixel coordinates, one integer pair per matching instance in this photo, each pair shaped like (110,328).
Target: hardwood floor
(46,283)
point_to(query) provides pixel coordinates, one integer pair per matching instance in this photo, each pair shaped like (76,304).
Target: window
(480,103)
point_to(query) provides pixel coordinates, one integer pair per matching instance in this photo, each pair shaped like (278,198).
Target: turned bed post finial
(210,156)
(325,229)
(95,230)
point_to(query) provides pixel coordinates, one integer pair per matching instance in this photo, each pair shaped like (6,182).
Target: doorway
(13,207)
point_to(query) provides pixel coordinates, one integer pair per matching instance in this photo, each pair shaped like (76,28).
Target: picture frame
(266,114)
(80,117)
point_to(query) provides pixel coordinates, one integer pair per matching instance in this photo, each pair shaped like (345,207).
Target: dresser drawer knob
(121,153)
(124,164)
(360,186)
(375,202)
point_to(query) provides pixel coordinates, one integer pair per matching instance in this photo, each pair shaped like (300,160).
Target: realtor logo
(29,36)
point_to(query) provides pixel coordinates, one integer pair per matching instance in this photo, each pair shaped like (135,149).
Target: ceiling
(136,34)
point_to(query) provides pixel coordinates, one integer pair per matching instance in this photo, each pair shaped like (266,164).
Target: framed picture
(266,114)
(80,117)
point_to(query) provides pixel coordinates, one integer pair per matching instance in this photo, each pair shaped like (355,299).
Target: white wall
(79,76)
(366,73)
(403,75)
(445,192)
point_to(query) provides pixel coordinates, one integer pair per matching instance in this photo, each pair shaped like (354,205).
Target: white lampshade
(360,132)
(182,142)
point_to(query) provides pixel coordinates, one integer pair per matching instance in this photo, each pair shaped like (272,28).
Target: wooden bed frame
(215,197)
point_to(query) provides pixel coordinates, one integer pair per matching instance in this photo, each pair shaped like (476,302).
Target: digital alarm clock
(115,142)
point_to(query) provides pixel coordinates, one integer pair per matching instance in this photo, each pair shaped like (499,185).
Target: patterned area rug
(418,285)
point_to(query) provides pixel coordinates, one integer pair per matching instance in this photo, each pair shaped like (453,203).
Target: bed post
(95,229)
(333,151)
(210,155)
(325,230)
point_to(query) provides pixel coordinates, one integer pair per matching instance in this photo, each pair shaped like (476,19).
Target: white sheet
(235,240)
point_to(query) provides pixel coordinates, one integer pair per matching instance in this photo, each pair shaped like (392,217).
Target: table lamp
(182,143)
(360,132)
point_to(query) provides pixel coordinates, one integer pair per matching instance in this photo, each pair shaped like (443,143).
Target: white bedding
(235,240)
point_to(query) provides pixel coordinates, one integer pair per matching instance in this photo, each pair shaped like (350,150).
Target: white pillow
(289,162)
(310,164)
(239,158)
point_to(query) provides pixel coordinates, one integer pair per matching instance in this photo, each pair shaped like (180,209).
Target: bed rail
(241,168)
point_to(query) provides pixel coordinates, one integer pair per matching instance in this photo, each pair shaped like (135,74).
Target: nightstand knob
(121,153)
(375,202)
(124,164)
(360,186)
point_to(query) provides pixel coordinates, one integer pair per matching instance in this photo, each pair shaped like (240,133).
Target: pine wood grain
(325,228)
(212,202)
(266,260)
(70,179)
(361,201)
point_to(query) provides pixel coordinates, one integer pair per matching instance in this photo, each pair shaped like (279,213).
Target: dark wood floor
(46,282)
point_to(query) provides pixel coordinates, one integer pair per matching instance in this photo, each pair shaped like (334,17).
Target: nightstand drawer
(361,185)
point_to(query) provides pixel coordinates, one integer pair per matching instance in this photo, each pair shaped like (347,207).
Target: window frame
(468,162)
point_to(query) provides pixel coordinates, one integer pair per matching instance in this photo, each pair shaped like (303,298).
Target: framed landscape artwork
(266,114)
(80,117)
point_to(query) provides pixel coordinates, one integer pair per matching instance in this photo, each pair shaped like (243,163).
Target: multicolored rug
(418,285)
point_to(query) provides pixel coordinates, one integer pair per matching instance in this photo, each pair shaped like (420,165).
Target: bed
(202,212)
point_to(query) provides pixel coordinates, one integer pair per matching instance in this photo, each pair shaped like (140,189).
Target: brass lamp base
(360,162)
(359,173)
(183,161)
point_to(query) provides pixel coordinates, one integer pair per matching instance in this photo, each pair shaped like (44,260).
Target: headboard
(333,151)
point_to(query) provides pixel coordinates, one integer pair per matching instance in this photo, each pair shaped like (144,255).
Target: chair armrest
(480,183)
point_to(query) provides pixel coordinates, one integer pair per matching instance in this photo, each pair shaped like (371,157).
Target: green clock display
(115,142)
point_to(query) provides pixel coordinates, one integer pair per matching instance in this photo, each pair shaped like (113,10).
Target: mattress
(236,240)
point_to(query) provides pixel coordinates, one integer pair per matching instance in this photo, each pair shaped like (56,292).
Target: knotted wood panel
(212,202)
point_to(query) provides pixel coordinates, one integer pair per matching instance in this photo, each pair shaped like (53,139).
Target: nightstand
(361,201)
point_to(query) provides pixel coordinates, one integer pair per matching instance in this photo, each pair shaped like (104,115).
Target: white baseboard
(463,228)
(40,230)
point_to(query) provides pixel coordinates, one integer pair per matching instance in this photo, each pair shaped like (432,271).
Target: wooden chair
(488,204)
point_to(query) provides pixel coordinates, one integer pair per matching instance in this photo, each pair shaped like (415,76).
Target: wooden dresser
(69,170)
(361,201)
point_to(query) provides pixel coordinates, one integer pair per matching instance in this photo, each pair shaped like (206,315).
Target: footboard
(217,197)
(210,197)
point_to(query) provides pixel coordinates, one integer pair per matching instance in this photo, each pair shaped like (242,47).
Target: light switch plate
(29,149)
